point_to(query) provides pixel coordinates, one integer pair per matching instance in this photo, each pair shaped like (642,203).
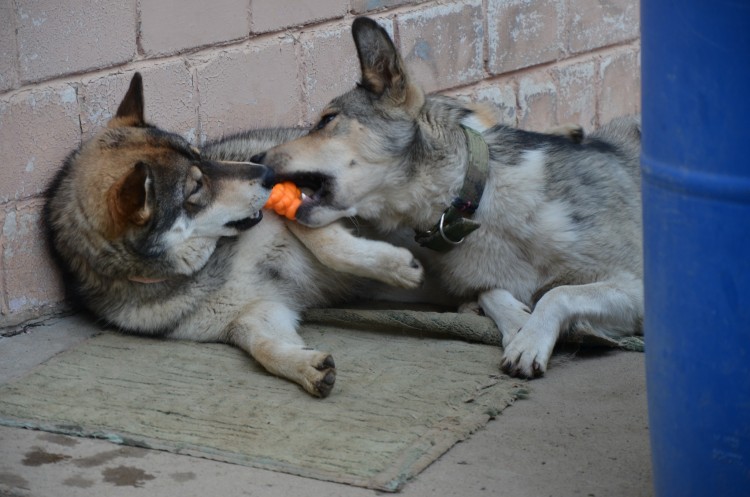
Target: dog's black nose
(269,178)
(258,158)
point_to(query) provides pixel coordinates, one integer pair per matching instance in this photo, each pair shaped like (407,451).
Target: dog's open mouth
(315,187)
(246,223)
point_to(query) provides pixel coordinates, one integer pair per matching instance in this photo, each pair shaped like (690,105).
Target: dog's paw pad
(324,386)
(328,363)
(329,378)
(322,377)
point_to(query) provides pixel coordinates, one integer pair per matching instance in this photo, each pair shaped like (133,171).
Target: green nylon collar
(454,224)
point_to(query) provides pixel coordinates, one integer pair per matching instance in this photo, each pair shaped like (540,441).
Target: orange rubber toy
(285,199)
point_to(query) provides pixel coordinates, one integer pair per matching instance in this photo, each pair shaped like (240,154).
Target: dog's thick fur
(159,238)
(560,217)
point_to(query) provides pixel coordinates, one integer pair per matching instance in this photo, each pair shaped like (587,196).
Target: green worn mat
(434,320)
(400,401)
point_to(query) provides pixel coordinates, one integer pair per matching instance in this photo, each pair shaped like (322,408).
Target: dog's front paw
(403,270)
(320,375)
(527,354)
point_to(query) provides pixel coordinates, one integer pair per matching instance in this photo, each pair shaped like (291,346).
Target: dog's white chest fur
(519,227)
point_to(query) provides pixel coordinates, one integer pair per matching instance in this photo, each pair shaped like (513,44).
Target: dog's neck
(456,221)
(440,162)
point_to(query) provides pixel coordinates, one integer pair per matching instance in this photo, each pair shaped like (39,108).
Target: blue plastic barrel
(696,211)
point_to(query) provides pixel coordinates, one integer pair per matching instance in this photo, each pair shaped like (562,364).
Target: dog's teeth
(307,192)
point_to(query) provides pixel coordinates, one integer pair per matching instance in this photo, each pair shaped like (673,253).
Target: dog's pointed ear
(129,200)
(130,111)
(383,69)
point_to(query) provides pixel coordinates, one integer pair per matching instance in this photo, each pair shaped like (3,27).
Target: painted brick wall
(217,67)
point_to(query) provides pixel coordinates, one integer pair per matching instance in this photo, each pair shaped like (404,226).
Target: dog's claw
(508,368)
(537,370)
(514,369)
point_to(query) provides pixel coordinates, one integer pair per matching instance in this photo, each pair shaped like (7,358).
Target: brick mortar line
(4,305)
(193,72)
(406,9)
(304,94)
(597,91)
(563,21)
(80,115)
(516,73)
(5,312)
(578,57)
(517,93)
(138,32)
(485,37)
(17,61)
(249,18)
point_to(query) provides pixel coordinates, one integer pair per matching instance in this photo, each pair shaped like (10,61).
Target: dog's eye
(325,120)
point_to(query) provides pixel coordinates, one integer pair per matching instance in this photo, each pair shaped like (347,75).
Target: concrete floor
(583,431)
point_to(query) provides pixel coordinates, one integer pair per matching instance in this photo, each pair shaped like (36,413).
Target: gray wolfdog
(557,222)
(159,238)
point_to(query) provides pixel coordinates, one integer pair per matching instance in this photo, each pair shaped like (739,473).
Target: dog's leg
(613,304)
(268,332)
(337,248)
(509,314)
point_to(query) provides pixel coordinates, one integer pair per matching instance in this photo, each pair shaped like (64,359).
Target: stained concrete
(583,431)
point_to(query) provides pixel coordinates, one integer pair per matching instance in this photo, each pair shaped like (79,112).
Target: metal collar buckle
(445,237)
(455,220)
